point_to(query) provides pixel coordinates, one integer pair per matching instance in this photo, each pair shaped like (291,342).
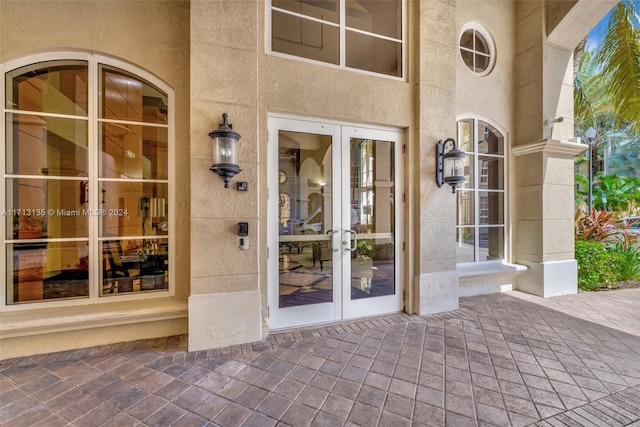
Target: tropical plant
(618,191)
(621,193)
(596,266)
(607,92)
(620,56)
(628,267)
(625,158)
(595,226)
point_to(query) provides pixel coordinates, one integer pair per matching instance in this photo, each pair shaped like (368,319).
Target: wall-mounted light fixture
(225,151)
(450,164)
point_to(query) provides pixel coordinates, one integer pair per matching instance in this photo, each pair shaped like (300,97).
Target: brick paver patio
(502,359)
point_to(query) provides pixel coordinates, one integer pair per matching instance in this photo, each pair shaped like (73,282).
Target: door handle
(355,240)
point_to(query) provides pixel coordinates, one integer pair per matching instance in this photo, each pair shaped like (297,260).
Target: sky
(597,34)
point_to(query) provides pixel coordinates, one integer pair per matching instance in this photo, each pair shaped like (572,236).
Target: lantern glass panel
(453,167)
(225,150)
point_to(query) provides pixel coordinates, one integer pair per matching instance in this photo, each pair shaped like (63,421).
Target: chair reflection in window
(321,250)
(116,272)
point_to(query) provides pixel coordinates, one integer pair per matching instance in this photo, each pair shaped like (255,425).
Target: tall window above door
(363,35)
(86,180)
(480,228)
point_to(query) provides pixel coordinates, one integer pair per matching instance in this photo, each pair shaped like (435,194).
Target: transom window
(476,49)
(363,35)
(86,181)
(480,227)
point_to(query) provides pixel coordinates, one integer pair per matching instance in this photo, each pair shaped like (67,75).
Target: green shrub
(628,267)
(597,267)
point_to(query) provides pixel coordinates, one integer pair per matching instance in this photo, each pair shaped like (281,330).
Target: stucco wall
(232,73)
(489,96)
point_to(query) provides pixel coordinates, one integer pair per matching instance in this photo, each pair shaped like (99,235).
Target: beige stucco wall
(231,73)
(489,96)
(149,34)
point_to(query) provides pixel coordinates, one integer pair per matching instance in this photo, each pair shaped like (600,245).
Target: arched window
(87,180)
(480,230)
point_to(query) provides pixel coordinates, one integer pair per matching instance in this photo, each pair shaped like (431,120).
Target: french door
(334,239)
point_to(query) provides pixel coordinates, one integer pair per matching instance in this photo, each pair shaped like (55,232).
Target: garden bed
(631,284)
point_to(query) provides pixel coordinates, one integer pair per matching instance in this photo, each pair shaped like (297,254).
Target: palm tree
(607,91)
(620,56)
(625,158)
(608,80)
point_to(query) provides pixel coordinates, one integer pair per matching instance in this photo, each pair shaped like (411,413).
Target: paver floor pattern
(499,360)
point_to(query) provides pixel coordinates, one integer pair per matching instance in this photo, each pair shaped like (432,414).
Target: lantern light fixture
(450,164)
(225,150)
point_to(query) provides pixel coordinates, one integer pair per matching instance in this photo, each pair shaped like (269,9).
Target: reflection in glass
(305,38)
(491,141)
(46,271)
(466,40)
(51,87)
(465,239)
(127,97)
(38,145)
(465,135)
(306,247)
(133,151)
(134,266)
(465,207)
(491,211)
(482,63)
(133,208)
(469,172)
(45,208)
(491,172)
(383,17)
(327,10)
(372,218)
(467,57)
(491,243)
(374,54)
(481,44)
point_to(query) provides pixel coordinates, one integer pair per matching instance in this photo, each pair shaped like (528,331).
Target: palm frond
(620,54)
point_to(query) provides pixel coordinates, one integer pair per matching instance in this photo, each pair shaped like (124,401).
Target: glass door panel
(372,218)
(305,223)
(371,263)
(303,271)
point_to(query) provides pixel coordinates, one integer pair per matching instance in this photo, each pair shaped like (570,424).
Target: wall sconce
(450,164)
(225,151)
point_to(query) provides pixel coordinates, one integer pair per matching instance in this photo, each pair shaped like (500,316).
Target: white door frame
(341,307)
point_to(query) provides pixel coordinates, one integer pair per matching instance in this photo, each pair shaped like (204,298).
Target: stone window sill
(43,321)
(489,268)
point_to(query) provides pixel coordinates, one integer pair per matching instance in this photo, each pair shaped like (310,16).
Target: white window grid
(342,26)
(94,123)
(480,202)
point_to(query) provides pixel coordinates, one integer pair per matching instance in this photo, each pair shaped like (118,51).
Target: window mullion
(476,192)
(3,136)
(95,256)
(343,34)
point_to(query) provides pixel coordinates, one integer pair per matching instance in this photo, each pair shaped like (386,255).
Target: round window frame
(482,31)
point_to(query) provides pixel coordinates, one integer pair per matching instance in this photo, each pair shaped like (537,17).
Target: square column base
(224,319)
(550,279)
(437,292)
